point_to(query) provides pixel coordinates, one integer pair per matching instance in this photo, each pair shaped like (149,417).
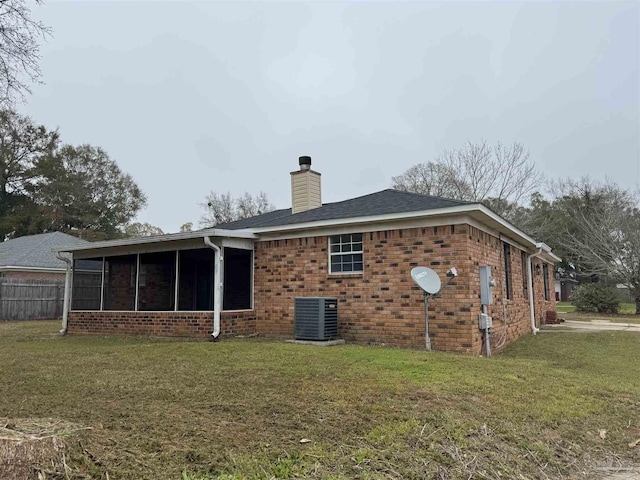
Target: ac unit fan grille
(315,318)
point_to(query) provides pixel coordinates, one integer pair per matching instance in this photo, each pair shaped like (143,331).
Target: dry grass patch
(36,449)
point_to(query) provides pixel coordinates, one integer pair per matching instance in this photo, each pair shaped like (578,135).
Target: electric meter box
(484,321)
(486,284)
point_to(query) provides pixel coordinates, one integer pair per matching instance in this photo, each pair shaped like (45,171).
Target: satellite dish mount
(429,282)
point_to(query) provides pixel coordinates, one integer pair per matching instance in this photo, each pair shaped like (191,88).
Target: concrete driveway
(594,325)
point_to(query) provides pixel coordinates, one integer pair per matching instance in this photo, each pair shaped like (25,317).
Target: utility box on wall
(315,318)
(486,284)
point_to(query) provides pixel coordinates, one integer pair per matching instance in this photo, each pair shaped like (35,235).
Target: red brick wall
(382,305)
(162,324)
(511,317)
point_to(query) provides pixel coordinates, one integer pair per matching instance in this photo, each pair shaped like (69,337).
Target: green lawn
(564,307)
(239,408)
(625,315)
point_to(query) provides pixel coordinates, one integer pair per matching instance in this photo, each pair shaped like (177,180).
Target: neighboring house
(31,277)
(565,284)
(625,293)
(242,278)
(30,257)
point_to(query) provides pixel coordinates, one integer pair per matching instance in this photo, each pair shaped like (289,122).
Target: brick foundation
(162,324)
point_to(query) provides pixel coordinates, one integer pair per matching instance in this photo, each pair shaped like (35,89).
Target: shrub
(595,297)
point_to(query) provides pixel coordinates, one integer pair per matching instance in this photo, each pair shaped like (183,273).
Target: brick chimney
(305,187)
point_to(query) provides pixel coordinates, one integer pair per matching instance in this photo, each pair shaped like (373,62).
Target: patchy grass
(238,408)
(564,307)
(627,313)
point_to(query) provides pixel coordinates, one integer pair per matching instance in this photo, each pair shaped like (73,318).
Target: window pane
(507,269)
(343,258)
(87,280)
(119,289)
(237,279)
(195,286)
(157,281)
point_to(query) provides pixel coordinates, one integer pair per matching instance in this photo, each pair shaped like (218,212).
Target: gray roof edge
(170,237)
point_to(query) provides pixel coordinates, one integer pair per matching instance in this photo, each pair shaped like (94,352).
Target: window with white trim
(345,253)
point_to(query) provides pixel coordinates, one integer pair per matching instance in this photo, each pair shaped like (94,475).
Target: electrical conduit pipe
(217,259)
(67,292)
(534,329)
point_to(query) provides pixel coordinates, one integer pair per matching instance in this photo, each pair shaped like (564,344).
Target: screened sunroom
(179,273)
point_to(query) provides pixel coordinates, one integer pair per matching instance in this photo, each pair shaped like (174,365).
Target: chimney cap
(304,160)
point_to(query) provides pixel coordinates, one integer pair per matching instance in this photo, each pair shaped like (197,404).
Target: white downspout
(534,329)
(67,292)
(217,258)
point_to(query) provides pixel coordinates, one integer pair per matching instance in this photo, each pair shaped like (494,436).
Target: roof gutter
(217,286)
(67,292)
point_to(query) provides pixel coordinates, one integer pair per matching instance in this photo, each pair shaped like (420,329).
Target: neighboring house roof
(34,251)
(379,203)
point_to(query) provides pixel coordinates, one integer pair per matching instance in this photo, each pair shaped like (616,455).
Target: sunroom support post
(67,291)
(102,285)
(217,287)
(177,280)
(137,281)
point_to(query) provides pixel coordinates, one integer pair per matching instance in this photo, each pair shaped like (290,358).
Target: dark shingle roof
(35,250)
(380,203)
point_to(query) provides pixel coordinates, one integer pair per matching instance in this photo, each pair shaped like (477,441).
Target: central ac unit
(315,318)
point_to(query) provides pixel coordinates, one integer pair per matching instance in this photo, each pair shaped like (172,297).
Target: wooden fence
(30,299)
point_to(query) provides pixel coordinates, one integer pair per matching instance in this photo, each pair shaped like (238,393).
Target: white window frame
(331,243)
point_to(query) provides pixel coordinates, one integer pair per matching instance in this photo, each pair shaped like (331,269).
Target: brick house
(242,277)
(31,277)
(30,257)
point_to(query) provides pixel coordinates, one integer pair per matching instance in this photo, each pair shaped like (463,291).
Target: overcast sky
(198,97)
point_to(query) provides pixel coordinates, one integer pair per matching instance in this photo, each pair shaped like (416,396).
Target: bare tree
(432,178)
(186,227)
(19,49)
(500,175)
(223,208)
(602,231)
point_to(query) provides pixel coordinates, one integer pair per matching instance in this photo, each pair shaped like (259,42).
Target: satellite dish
(426,279)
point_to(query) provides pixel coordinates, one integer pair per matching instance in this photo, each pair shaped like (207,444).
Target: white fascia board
(438,212)
(170,237)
